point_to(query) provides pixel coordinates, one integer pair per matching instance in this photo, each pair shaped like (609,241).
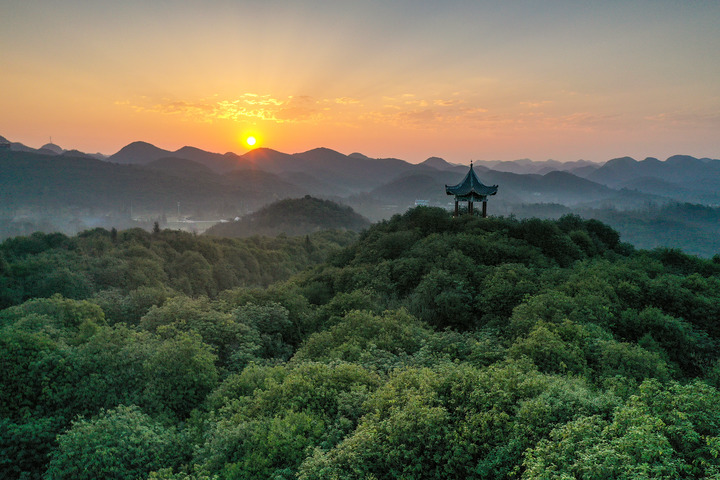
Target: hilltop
(293,216)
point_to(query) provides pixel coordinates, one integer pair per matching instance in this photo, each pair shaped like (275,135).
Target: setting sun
(251,141)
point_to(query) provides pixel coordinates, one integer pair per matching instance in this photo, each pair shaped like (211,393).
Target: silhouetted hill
(348,173)
(19,147)
(438,163)
(56,149)
(293,216)
(354,174)
(142,153)
(326,158)
(76,153)
(584,170)
(215,161)
(139,153)
(269,160)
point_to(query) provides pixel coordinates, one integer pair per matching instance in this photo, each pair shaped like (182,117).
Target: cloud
(246,106)
(446,103)
(406,110)
(298,109)
(539,104)
(347,101)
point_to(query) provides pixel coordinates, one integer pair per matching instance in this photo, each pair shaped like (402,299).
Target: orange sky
(461,80)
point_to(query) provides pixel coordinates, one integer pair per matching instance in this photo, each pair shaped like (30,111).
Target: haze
(409,79)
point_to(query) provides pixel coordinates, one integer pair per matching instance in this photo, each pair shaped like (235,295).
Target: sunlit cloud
(247,106)
(407,111)
(446,103)
(540,104)
(347,101)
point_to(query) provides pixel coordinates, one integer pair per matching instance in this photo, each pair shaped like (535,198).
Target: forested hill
(293,216)
(430,348)
(132,268)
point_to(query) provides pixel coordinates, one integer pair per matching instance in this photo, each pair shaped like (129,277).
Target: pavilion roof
(471,186)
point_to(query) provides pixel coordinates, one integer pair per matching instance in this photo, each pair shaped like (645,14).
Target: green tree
(234,342)
(122,443)
(663,432)
(367,338)
(180,373)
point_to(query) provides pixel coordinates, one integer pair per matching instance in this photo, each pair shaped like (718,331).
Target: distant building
(470,190)
(422,203)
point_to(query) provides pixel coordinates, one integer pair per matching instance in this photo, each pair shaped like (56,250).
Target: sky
(461,80)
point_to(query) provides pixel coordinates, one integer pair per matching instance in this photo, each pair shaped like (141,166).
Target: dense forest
(692,228)
(427,347)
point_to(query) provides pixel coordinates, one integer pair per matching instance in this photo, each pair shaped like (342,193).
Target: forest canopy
(426,347)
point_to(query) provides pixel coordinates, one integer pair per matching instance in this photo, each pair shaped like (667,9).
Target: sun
(251,141)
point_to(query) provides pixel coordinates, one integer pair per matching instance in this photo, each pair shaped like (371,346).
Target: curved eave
(471,186)
(482,191)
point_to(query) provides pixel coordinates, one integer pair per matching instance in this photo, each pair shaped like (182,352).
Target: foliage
(431,347)
(122,443)
(141,264)
(662,432)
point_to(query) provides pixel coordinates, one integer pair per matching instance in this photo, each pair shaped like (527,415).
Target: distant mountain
(19,147)
(49,149)
(56,149)
(215,161)
(686,178)
(74,153)
(139,153)
(348,173)
(269,160)
(584,170)
(142,153)
(438,163)
(297,216)
(527,166)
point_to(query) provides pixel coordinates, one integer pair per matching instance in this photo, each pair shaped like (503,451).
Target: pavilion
(470,190)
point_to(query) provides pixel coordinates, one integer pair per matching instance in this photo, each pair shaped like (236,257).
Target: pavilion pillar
(470,207)
(484,209)
(457,208)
